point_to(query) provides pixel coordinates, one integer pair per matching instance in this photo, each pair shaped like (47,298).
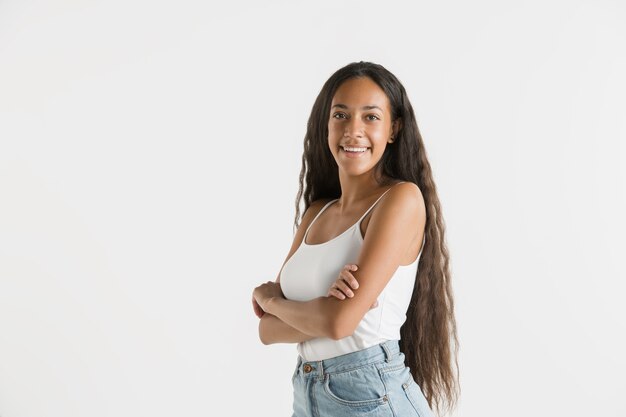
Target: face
(359,120)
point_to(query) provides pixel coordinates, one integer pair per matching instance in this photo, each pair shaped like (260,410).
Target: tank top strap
(377,200)
(306,232)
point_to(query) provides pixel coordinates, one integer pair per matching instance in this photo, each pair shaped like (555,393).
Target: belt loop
(320,370)
(387,352)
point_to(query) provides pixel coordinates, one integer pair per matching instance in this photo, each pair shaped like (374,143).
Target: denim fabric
(369,382)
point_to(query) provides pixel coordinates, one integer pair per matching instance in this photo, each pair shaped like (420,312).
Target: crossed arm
(272,326)
(274,330)
(287,321)
(390,232)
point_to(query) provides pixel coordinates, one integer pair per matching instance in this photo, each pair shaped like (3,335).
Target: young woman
(365,290)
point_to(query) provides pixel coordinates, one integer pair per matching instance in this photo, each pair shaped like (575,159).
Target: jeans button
(308,368)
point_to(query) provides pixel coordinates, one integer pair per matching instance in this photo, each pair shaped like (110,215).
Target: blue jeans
(369,382)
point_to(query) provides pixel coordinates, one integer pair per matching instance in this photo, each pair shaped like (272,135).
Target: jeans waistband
(386,350)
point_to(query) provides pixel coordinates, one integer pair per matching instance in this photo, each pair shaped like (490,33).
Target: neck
(355,189)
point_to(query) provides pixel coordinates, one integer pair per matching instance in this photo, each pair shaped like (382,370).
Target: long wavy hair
(428,337)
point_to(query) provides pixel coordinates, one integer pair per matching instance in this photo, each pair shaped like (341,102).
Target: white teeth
(346,148)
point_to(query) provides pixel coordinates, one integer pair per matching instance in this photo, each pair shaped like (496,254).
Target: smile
(353,152)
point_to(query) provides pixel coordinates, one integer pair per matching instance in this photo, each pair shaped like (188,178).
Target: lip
(354,154)
(354,146)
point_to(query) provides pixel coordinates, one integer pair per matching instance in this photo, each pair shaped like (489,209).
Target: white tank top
(311,270)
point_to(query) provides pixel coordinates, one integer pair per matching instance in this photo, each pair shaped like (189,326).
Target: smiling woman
(360,132)
(365,290)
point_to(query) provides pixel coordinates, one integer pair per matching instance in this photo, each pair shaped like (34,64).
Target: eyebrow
(371,106)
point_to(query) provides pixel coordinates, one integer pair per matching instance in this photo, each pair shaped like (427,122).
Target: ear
(397,125)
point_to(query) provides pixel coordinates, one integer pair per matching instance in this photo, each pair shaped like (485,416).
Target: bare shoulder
(312,210)
(403,203)
(406,195)
(407,188)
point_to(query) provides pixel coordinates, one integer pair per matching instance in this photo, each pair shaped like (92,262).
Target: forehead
(358,92)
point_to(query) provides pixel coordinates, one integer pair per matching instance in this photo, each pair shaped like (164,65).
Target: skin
(342,287)
(345,285)
(392,231)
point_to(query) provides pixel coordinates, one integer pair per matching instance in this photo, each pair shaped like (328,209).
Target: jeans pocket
(416,397)
(357,387)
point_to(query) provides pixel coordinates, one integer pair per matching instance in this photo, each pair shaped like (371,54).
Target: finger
(332,291)
(256,308)
(350,279)
(337,294)
(341,285)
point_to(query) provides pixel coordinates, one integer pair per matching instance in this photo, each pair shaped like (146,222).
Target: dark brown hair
(429,333)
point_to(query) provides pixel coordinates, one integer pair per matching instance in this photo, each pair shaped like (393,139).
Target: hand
(257,308)
(264,292)
(345,284)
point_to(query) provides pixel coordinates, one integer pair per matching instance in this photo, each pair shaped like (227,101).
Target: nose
(354,128)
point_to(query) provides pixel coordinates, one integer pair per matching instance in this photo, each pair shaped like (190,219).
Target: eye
(373,115)
(338,114)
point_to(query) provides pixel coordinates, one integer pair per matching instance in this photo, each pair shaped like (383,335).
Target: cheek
(379,147)
(379,141)
(333,130)
(333,138)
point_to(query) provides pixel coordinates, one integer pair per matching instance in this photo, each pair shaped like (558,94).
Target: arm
(389,233)
(315,317)
(274,330)
(391,230)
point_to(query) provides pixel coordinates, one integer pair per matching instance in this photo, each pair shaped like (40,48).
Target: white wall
(149,155)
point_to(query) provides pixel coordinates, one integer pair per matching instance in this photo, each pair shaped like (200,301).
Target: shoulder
(318,204)
(402,201)
(404,194)
(407,188)
(314,208)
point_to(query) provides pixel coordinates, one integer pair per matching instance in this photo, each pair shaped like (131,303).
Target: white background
(149,157)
